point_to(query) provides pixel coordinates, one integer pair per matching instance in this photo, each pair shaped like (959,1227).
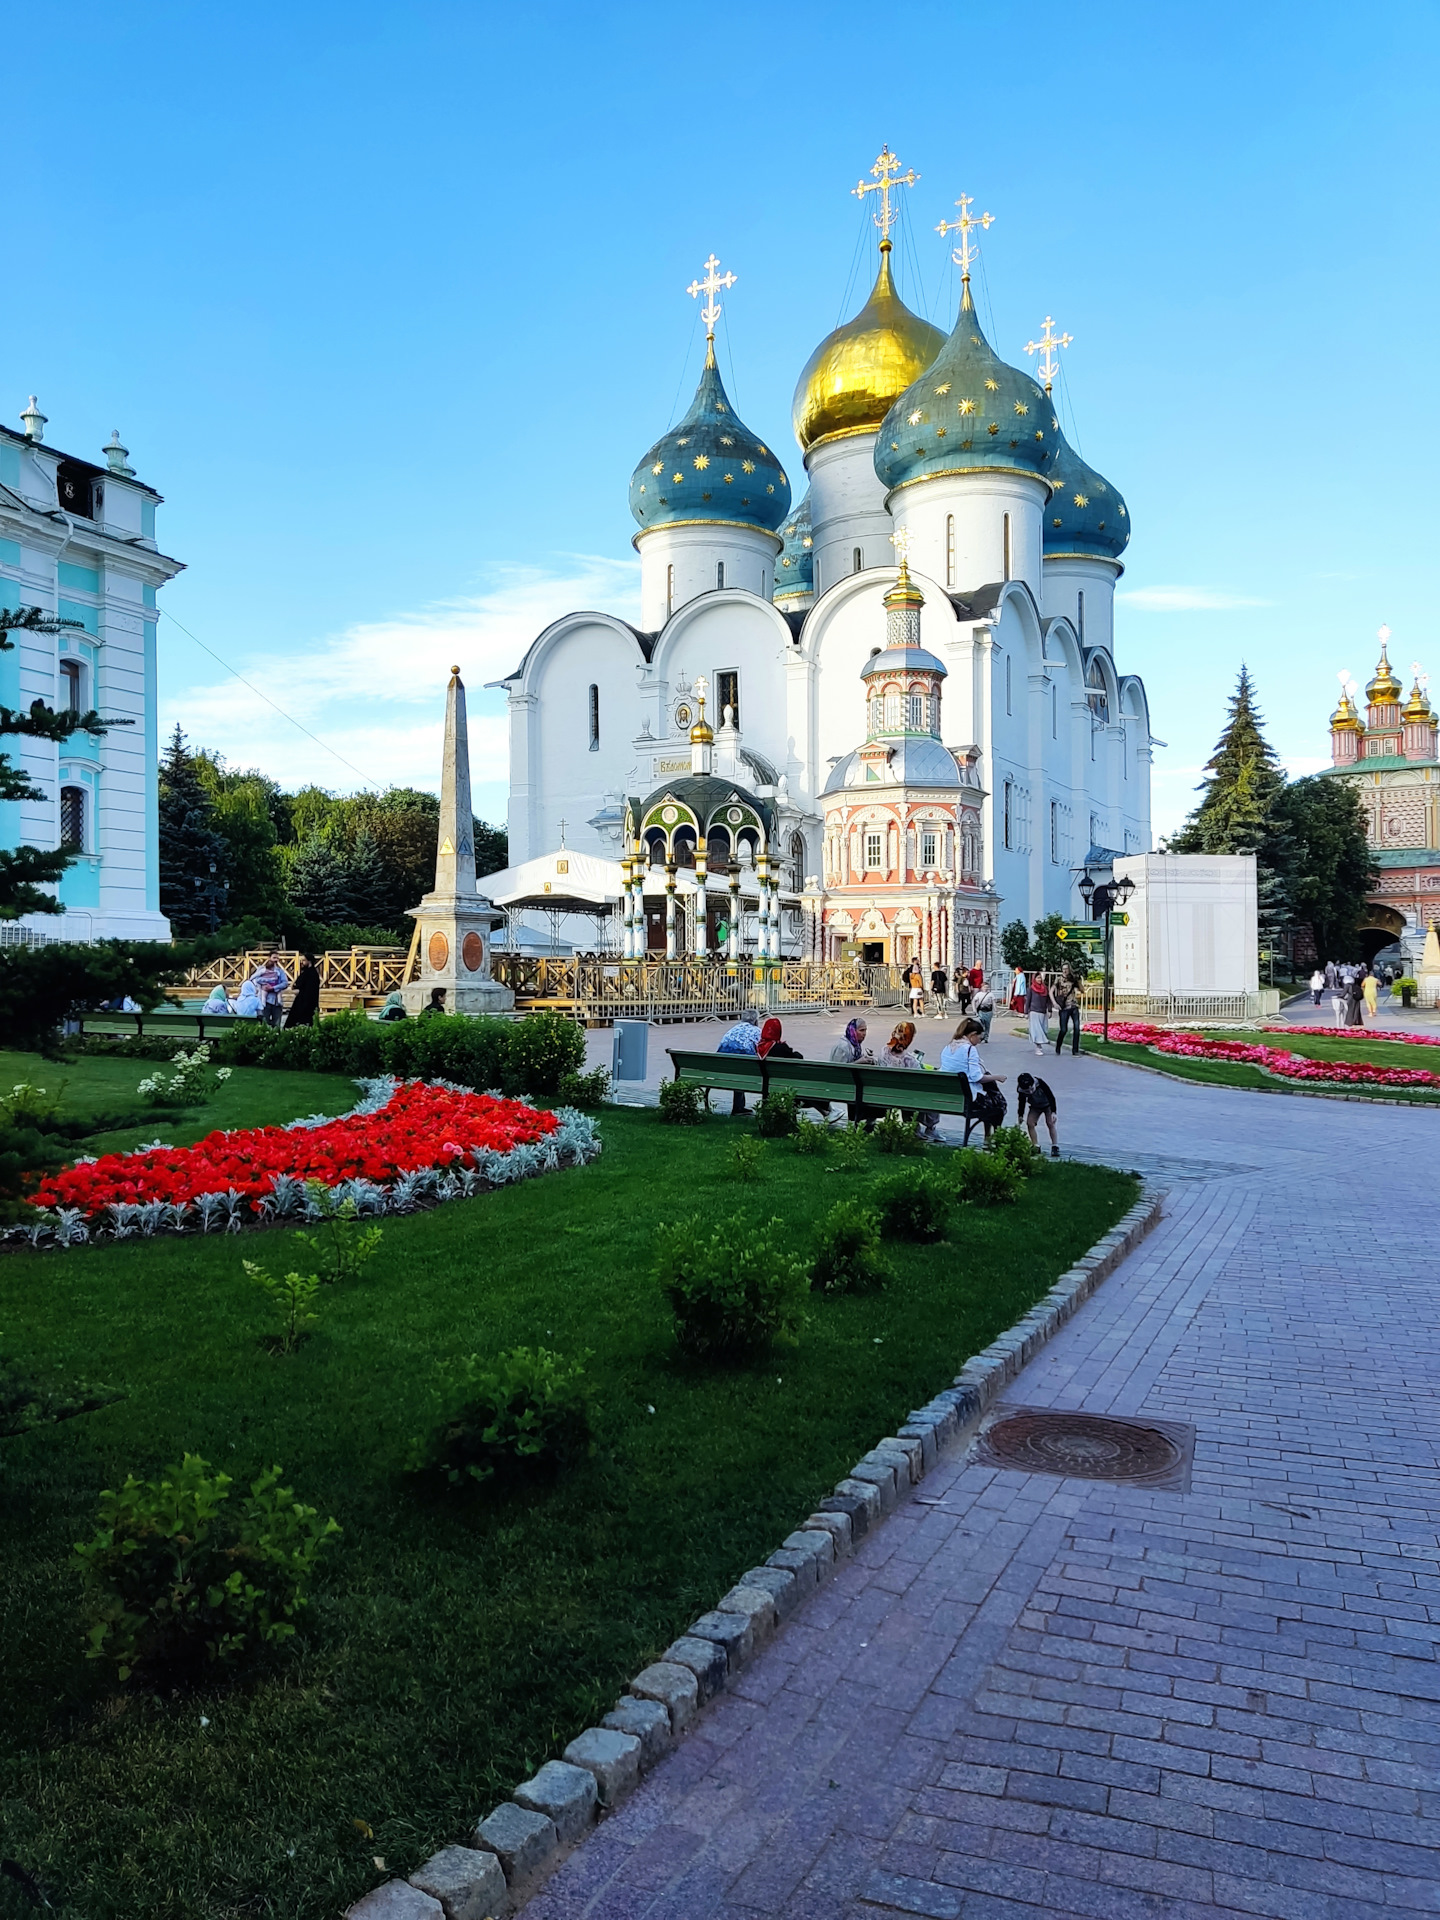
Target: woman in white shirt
(963,1056)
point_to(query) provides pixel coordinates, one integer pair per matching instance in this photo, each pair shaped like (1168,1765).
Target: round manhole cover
(1088,1446)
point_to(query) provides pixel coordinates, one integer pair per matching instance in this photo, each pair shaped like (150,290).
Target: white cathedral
(934,747)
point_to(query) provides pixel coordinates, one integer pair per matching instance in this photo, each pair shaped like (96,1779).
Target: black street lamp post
(1102,900)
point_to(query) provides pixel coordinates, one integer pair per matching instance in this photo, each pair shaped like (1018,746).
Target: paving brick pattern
(1034,1696)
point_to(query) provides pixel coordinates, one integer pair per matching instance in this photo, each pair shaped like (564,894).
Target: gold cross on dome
(1045,346)
(887,177)
(900,540)
(967,250)
(710,286)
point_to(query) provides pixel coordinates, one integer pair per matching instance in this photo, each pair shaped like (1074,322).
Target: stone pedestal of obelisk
(455,920)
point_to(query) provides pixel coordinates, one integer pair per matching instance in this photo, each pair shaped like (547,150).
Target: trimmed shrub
(516,1056)
(520,1413)
(913,1204)
(892,1134)
(775,1116)
(983,1181)
(176,1577)
(811,1136)
(544,1046)
(682,1104)
(1014,1147)
(847,1251)
(731,1288)
(746,1155)
(583,1089)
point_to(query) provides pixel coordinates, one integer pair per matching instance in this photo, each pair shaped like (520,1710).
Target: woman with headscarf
(897,1054)
(1354,1000)
(247,1004)
(305,1003)
(219,1001)
(394,1007)
(772,1047)
(852,1050)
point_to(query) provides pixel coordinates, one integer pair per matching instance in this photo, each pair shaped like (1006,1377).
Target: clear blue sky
(388,300)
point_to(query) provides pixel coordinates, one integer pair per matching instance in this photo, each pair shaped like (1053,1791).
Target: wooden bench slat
(856,1086)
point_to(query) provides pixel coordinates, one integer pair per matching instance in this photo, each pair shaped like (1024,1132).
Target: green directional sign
(1081,930)
(1119,919)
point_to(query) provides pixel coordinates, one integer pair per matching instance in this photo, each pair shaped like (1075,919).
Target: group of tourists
(1351,988)
(261,995)
(971,995)
(1037,995)
(960,1055)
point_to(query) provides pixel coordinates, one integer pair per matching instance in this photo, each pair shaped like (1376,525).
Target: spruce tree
(368,891)
(1243,782)
(316,885)
(194,857)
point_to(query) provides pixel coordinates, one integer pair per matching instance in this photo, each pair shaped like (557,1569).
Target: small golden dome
(1345,719)
(1384,689)
(702,734)
(1417,707)
(859,370)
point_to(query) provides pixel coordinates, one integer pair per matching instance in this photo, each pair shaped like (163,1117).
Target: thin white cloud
(375,692)
(1186,600)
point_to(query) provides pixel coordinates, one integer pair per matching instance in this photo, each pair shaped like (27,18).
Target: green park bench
(857,1087)
(161,1023)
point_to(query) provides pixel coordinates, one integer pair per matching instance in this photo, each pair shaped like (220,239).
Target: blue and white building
(77,539)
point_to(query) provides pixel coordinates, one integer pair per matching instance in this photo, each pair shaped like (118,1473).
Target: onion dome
(1086,514)
(795,569)
(1345,719)
(1384,690)
(903,660)
(968,413)
(709,467)
(1417,707)
(852,377)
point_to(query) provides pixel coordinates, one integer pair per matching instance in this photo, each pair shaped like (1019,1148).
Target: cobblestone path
(1034,1696)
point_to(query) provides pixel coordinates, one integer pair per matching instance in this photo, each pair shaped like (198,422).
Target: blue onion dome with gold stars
(795,569)
(968,413)
(710,467)
(851,379)
(1085,514)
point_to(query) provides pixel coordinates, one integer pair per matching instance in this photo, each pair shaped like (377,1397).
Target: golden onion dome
(1384,690)
(856,372)
(1417,707)
(1345,719)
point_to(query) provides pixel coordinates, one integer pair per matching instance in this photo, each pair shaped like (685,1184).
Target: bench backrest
(827,1080)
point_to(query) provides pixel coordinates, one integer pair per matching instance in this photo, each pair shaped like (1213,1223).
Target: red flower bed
(1289,1066)
(420,1126)
(1386,1034)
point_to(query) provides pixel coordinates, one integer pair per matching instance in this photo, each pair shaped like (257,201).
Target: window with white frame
(915,712)
(72,819)
(929,847)
(1055,833)
(1007,822)
(872,850)
(949,549)
(1008,706)
(71,684)
(594,717)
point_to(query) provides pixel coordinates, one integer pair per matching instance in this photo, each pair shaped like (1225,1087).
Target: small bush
(892,1134)
(731,1288)
(746,1156)
(583,1089)
(983,1181)
(27,1105)
(175,1576)
(914,1205)
(775,1116)
(546,1046)
(293,1298)
(519,1413)
(682,1104)
(852,1142)
(342,1246)
(811,1136)
(189,1080)
(847,1251)
(1014,1147)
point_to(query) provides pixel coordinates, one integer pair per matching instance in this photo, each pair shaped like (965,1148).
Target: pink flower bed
(1287,1066)
(1376,1033)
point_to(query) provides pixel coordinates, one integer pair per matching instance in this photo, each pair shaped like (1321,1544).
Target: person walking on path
(305,1003)
(271,981)
(915,980)
(1317,984)
(1354,1000)
(982,1009)
(1017,990)
(963,1056)
(1370,987)
(1067,1001)
(1035,1100)
(938,983)
(1332,979)
(1337,1002)
(1037,1005)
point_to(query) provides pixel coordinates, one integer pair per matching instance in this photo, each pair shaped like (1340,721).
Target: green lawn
(454,1642)
(1365,1050)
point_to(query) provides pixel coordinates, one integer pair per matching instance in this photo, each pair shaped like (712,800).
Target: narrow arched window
(1080,616)
(859,561)
(719,573)
(1007,546)
(594,718)
(949,549)
(72,819)
(669,590)
(70,684)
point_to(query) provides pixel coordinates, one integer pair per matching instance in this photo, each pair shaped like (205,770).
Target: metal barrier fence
(672,990)
(1186,1009)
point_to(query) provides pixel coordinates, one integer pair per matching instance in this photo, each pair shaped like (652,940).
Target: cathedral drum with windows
(913,438)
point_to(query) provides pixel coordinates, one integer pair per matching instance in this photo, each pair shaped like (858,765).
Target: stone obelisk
(454,920)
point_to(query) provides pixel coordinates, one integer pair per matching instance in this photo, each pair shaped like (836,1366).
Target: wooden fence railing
(360,972)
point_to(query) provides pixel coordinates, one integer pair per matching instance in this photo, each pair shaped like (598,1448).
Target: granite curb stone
(611,1756)
(564,1791)
(675,1688)
(522,1840)
(397,1900)
(468,1884)
(647,1721)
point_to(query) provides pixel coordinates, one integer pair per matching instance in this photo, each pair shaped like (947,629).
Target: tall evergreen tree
(367,885)
(1243,781)
(26,871)
(194,857)
(316,885)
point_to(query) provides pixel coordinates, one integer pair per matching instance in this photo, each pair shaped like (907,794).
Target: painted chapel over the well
(912,671)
